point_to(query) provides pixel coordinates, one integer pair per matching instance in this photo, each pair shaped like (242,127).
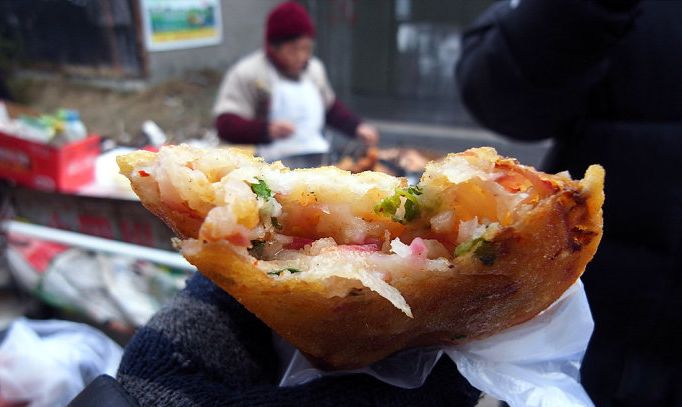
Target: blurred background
(392,61)
(83,80)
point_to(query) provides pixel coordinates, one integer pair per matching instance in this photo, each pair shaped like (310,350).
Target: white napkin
(534,364)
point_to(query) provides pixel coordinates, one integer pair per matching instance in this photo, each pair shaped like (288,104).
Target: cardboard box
(46,167)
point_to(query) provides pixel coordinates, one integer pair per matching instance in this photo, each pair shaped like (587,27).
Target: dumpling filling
(348,230)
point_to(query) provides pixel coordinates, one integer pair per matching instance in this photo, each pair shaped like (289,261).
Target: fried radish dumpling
(351,268)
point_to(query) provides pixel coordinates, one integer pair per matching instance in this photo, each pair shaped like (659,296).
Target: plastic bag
(533,364)
(47,363)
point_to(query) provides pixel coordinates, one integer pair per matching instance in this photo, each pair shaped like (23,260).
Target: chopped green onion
(280,271)
(466,247)
(257,247)
(389,205)
(486,253)
(482,249)
(411,210)
(415,190)
(261,189)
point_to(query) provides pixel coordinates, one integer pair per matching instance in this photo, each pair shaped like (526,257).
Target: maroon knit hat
(289,20)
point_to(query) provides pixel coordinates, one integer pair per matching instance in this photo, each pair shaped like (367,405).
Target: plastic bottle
(74,129)
(34,129)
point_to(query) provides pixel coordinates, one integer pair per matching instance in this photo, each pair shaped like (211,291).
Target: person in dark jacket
(205,349)
(603,78)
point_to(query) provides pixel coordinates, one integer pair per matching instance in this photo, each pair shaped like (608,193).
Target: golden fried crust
(536,262)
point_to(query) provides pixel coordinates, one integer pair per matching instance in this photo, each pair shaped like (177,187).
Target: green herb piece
(486,253)
(415,190)
(275,223)
(261,189)
(257,247)
(466,247)
(411,210)
(389,205)
(280,271)
(483,250)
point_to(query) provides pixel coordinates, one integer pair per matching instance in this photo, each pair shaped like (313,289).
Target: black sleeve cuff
(104,391)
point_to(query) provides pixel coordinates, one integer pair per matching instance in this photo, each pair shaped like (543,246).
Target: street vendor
(280,97)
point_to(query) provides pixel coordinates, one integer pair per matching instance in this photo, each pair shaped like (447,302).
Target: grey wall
(334,20)
(243,28)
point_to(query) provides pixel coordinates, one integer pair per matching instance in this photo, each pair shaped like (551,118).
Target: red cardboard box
(46,167)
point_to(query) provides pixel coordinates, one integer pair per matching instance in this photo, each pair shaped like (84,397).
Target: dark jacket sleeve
(238,130)
(527,72)
(342,119)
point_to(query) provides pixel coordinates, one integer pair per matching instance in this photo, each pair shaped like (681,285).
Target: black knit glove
(205,349)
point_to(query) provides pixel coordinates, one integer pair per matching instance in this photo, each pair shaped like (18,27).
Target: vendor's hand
(368,134)
(280,129)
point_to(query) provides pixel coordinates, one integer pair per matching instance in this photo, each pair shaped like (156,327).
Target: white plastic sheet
(534,364)
(47,363)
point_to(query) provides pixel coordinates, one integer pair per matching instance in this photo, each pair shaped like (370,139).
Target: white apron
(300,103)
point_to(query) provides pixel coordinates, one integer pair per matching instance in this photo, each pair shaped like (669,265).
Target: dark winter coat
(603,79)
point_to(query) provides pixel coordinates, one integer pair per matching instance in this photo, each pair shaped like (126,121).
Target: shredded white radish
(470,229)
(400,248)
(443,222)
(361,266)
